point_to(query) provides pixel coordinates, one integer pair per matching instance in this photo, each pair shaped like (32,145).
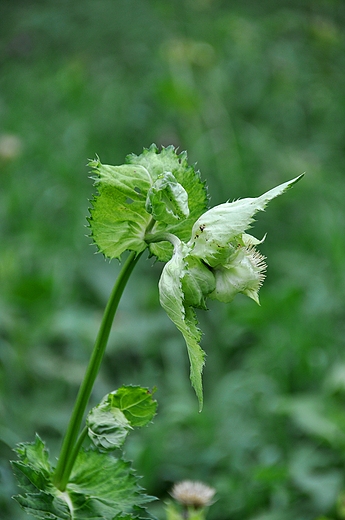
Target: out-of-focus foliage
(255,91)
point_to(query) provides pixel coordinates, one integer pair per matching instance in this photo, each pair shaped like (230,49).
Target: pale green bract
(172,299)
(219,240)
(157,201)
(219,261)
(119,220)
(221,228)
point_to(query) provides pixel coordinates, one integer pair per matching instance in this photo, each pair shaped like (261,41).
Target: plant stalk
(159,237)
(68,452)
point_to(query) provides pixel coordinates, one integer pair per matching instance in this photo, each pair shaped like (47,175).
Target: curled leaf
(135,402)
(198,282)
(107,427)
(167,200)
(172,299)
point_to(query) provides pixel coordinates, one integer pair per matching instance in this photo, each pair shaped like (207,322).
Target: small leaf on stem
(110,422)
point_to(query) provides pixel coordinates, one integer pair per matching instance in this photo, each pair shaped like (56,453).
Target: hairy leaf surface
(219,226)
(118,216)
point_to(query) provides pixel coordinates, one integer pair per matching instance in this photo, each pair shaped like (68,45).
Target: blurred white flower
(10,146)
(193,493)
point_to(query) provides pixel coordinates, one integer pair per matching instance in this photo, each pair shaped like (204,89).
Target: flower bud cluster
(156,201)
(241,270)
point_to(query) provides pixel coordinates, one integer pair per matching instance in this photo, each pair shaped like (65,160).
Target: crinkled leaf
(100,488)
(45,506)
(107,427)
(167,200)
(33,468)
(33,471)
(119,218)
(110,421)
(167,160)
(215,229)
(127,178)
(172,300)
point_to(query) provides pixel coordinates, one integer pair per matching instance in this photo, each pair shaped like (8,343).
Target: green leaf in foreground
(33,468)
(118,412)
(100,488)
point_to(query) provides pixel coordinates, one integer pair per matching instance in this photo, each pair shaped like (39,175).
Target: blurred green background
(255,92)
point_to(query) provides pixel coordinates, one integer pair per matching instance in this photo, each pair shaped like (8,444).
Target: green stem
(74,453)
(164,236)
(68,452)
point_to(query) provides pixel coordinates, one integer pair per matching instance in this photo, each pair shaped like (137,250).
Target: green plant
(155,201)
